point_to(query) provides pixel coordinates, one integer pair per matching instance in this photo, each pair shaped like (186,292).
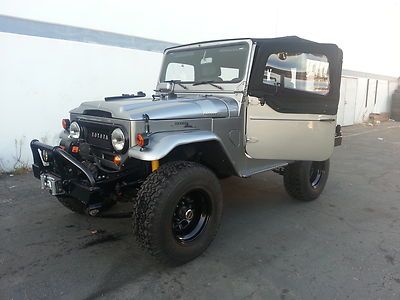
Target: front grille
(98,135)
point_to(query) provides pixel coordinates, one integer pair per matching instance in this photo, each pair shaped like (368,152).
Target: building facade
(47,69)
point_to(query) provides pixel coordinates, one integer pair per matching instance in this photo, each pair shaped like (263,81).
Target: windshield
(224,64)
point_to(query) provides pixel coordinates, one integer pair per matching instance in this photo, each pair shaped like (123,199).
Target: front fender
(162,143)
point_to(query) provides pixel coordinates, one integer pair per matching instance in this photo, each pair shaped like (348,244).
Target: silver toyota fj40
(221,108)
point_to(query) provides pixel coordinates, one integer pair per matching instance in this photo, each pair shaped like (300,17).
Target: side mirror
(165,87)
(281,81)
(273,81)
(278,85)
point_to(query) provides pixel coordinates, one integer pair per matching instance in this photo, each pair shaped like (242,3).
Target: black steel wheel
(305,180)
(317,171)
(177,211)
(191,216)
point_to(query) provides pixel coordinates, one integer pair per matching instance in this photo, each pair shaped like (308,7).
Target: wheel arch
(201,146)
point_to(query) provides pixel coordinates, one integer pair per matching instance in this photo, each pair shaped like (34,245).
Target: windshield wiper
(178,82)
(125,96)
(210,82)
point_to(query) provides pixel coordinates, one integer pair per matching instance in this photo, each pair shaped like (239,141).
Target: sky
(367,31)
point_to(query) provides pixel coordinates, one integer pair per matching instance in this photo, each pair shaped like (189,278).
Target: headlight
(74,130)
(118,139)
(46,156)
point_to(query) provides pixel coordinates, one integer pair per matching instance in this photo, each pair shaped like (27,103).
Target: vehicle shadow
(249,203)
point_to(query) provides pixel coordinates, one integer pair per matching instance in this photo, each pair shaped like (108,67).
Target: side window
(300,71)
(177,71)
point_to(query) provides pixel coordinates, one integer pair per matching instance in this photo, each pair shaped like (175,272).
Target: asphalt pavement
(345,245)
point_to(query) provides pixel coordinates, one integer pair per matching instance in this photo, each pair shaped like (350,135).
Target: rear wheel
(178,211)
(305,180)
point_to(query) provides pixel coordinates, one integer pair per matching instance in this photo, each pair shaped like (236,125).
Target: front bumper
(338,135)
(64,175)
(58,157)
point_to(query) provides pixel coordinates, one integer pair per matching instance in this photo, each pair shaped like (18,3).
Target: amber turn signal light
(75,149)
(141,140)
(65,123)
(117,160)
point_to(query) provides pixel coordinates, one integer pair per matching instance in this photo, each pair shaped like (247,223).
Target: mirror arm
(282,81)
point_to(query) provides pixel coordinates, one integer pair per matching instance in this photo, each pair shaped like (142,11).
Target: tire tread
(296,181)
(148,198)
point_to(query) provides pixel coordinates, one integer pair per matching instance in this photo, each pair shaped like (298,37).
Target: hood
(180,108)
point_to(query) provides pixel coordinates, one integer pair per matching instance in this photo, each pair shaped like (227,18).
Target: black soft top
(289,40)
(295,101)
(266,41)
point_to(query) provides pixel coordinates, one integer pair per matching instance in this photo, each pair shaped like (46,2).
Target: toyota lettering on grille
(101,136)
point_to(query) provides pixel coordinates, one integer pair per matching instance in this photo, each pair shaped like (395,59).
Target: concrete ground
(344,245)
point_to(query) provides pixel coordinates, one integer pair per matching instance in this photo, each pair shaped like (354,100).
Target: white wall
(42,79)
(382,97)
(352,108)
(361,112)
(392,87)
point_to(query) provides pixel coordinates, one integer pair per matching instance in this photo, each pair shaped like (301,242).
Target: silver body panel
(294,136)
(163,143)
(193,106)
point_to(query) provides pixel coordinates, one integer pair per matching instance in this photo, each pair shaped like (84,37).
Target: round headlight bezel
(118,139)
(75,130)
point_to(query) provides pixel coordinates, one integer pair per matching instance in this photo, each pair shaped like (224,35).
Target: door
(291,114)
(349,99)
(274,135)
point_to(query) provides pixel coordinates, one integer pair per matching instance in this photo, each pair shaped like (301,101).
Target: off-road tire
(298,180)
(77,206)
(156,205)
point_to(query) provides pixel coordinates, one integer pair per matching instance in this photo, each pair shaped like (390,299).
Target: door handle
(251,140)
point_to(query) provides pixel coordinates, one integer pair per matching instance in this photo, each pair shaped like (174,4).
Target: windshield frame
(208,45)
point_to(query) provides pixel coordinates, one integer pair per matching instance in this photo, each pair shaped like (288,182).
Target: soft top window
(299,92)
(224,63)
(299,71)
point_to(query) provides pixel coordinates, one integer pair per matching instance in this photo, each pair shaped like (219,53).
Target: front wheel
(305,180)
(178,211)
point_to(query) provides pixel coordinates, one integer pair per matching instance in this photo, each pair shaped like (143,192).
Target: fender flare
(162,143)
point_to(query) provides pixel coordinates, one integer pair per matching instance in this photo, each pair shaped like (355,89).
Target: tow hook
(93,212)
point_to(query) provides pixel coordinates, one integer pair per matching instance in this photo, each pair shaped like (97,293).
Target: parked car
(221,108)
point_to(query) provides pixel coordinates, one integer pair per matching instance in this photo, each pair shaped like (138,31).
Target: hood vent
(97,113)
